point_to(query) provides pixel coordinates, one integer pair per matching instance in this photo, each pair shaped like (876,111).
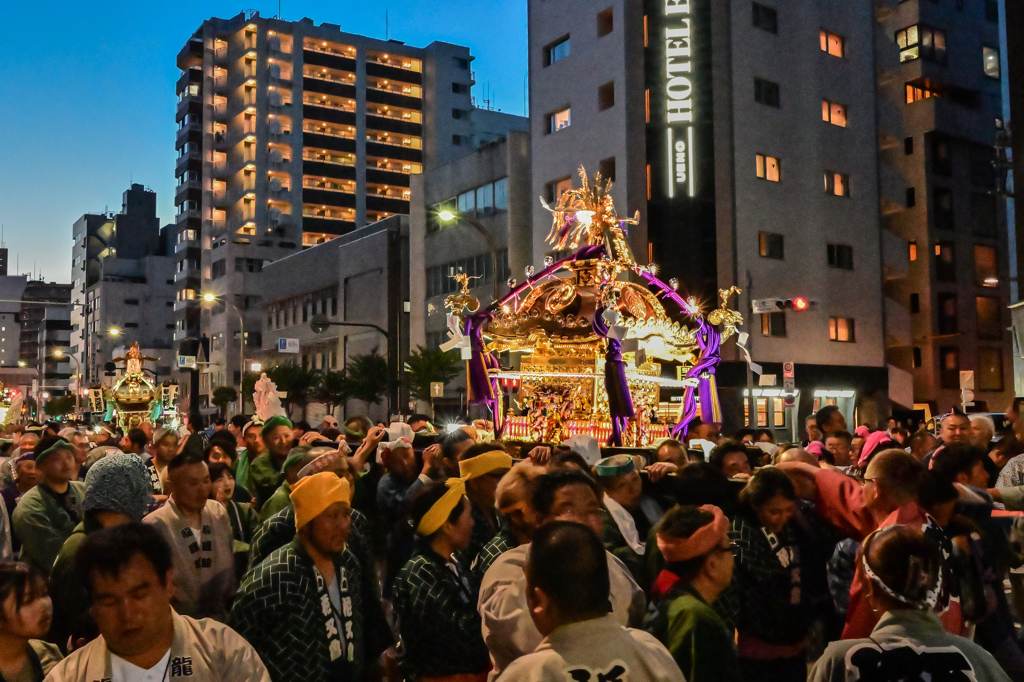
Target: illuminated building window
(832,43)
(919,91)
(556,188)
(556,51)
(768,168)
(841,329)
(990,61)
(912,250)
(921,42)
(559,120)
(834,113)
(837,184)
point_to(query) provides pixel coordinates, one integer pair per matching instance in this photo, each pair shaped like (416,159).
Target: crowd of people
(280,552)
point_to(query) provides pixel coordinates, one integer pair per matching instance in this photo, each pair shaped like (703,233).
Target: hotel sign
(679,97)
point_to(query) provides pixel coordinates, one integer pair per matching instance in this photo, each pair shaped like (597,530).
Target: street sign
(764,305)
(288,346)
(186,362)
(788,400)
(436,389)
(766,380)
(967,380)
(788,369)
(788,384)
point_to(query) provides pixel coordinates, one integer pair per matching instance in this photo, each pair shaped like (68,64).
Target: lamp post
(211,298)
(59,354)
(319,324)
(447,215)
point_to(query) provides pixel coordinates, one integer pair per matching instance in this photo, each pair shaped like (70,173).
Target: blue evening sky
(88,100)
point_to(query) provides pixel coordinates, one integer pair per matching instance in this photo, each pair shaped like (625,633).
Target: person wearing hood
(117,491)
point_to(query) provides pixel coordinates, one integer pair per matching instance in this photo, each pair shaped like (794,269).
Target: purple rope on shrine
(620,402)
(709,341)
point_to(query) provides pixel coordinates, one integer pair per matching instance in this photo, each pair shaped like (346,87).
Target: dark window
(911,197)
(943,203)
(218,269)
(460,88)
(948,319)
(457,113)
(766,92)
(992,11)
(983,173)
(606,96)
(770,245)
(990,369)
(908,145)
(942,164)
(334,306)
(457,140)
(462,63)
(556,51)
(131,301)
(607,168)
(773,324)
(840,256)
(605,23)
(983,214)
(945,263)
(949,367)
(917,356)
(766,18)
(987,309)
(915,303)
(131,325)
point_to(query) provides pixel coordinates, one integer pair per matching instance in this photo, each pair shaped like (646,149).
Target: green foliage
(332,389)
(425,366)
(58,407)
(368,378)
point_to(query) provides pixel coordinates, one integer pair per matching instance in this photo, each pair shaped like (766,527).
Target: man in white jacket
(508,629)
(568,602)
(127,573)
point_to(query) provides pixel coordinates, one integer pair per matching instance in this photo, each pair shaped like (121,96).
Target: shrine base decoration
(590,342)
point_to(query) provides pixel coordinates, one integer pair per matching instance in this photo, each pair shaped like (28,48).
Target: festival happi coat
(589,338)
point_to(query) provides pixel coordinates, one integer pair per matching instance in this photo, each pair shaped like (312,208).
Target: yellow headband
(442,509)
(481,465)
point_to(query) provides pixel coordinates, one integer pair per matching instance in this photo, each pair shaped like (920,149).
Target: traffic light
(771,305)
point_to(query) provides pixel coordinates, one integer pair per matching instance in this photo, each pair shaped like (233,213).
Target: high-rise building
(759,146)
(122,283)
(291,134)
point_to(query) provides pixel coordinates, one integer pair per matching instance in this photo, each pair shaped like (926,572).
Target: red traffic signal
(797,303)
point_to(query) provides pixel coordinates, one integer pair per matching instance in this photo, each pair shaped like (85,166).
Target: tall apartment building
(747,139)
(938,101)
(122,281)
(291,134)
(45,326)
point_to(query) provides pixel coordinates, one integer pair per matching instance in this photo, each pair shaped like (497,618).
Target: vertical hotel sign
(679,97)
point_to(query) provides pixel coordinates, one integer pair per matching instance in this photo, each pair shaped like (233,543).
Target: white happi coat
(204,591)
(201,651)
(509,631)
(593,650)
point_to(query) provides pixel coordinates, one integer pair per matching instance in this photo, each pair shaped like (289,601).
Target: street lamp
(211,298)
(319,323)
(59,354)
(448,216)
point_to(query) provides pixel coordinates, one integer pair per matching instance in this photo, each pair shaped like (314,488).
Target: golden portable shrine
(134,399)
(591,341)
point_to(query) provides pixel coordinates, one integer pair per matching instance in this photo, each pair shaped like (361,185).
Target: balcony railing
(328,104)
(185,215)
(329,158)
(397,90)
(319,184)
(413,143)
(329,50)
(344,134)
(328,215)
(349,79)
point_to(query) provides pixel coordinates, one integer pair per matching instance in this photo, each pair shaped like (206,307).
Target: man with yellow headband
(301,608)
(482,470)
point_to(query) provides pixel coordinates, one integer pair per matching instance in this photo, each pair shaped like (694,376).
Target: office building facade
(292,134)
(753,141)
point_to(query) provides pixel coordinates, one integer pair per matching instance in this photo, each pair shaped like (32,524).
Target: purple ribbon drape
(709,342)
(620,402)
